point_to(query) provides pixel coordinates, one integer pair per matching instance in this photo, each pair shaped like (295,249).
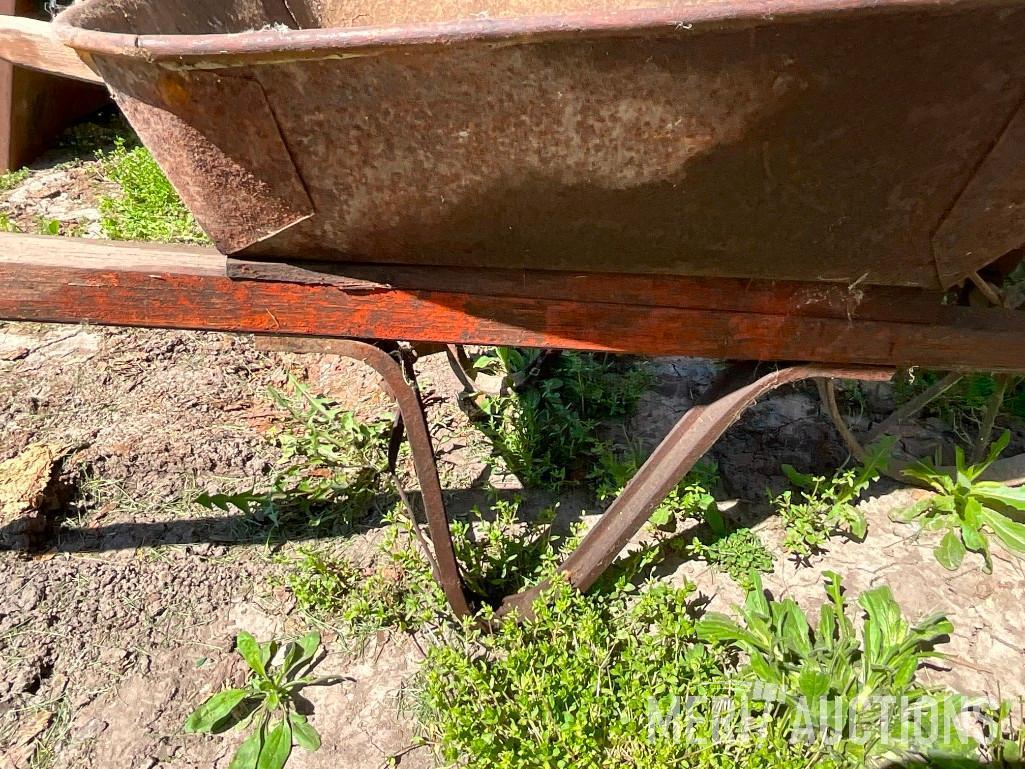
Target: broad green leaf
(950,552)
(973,537)
(1011,533)
(248,752)
(941,522)
(713,517)
(910,513)
(267,653)
(308,645)
(995,451)
(903,670)
(859,525)
(277,747)
(765,670)
(1003,495)
(756,602)
(827,624)
(963,478)
(272,701)
(292,654)
(305,735)
(972,514)
(834,589)
(760,631)
(1011,752)
(797,478)
(885,613)
(829,715)
(879,455)
(660,517)
(207,715)
(813,683)
(251,652)
(237,717)
(794,627)
(930,629)
(717,628)
(926,473)
(872,643)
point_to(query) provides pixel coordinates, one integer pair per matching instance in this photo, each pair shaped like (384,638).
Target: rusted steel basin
(858,141)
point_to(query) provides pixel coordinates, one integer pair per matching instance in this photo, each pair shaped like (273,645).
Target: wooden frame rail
(68,280)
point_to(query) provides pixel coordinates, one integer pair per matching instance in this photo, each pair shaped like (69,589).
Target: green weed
(331,468)
(826,506)
(961,407)
(505,552)
(737,553)
(857,693)
(267,704)
(733,552)
(1006,735)
(968,510)
(589,682)
(12,179)
(6,225)
(547,429)
(691,498)
(399,594)
(148,207)
(48,226)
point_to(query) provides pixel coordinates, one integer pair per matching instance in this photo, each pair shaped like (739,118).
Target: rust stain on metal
(767,139)
(218,140)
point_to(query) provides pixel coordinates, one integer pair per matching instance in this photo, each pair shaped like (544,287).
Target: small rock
(30,489)
(30,597)
(91,729)
(16,353)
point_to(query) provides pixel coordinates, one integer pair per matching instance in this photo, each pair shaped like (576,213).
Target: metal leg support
(411,409)
(736,390)
(732,393)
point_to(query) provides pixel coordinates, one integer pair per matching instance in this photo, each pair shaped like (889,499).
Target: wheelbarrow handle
(31,43)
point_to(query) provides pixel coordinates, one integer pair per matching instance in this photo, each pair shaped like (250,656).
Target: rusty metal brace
(1004,382)
(400,385)
(736,389)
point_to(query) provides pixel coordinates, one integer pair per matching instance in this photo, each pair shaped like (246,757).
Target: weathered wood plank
(29,43)
(107,255)
(6,99)
(35,107)
(825,300)
(84,281)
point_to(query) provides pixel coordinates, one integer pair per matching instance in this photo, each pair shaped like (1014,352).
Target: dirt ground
(124,617)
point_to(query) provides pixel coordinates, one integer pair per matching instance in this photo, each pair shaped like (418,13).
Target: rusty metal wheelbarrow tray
(849,141)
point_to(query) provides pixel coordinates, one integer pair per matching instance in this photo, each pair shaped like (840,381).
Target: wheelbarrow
(838,184)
